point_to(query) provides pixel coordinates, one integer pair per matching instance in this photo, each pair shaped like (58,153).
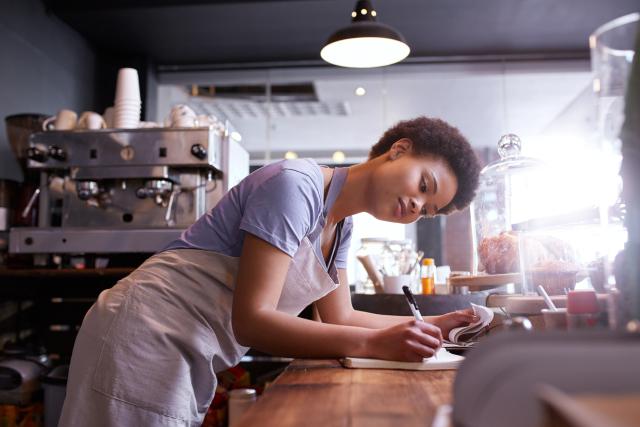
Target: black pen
(413,305)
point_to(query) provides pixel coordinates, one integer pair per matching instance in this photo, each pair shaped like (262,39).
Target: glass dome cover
(510,191)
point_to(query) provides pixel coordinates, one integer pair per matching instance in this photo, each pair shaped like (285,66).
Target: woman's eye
(423,186)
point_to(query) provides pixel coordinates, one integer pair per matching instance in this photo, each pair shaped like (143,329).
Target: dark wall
(44,66)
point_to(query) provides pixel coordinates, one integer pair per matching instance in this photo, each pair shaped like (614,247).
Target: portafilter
(19,128)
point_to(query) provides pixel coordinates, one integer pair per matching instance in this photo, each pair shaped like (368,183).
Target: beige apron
(148,349)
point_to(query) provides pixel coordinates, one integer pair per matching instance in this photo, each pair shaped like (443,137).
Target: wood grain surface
(323,393)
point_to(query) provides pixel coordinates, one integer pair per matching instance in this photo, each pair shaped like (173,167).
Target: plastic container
(55,388)
(428,276)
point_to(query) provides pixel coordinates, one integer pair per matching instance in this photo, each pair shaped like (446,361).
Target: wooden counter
(323,393)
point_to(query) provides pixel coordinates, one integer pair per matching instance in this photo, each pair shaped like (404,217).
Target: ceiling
(479,64)
(218,32)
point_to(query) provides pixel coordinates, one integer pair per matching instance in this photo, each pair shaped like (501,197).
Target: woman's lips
(401,210)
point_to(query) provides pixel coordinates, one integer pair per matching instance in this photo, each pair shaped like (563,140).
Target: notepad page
(463,333)
(445,360)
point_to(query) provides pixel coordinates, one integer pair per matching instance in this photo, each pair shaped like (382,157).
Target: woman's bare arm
(336,308)
(258,324)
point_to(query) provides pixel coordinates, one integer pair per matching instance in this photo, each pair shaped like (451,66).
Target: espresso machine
(116,191)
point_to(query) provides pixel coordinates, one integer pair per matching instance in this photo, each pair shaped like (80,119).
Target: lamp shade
(365,43)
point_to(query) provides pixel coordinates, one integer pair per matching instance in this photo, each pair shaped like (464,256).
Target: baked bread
(501,254)
(555,276)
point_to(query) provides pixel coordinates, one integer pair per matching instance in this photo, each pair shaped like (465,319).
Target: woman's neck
(354,196)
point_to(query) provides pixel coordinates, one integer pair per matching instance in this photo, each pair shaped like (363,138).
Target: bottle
(428,276)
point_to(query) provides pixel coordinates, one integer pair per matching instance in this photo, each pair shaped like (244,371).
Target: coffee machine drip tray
(45,240)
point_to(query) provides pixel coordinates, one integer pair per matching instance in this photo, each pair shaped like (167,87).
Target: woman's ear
(399,148)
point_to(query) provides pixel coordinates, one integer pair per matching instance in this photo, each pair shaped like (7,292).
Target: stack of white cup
(127,104)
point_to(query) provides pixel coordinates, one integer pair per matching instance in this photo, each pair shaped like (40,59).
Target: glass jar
(615,86)
(510,191)
(612,51)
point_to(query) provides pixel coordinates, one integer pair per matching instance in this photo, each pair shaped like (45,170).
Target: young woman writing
(148,350)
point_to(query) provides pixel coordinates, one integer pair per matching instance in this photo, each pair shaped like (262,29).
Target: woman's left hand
(447,322)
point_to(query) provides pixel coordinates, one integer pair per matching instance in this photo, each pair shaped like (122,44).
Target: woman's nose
(414,205)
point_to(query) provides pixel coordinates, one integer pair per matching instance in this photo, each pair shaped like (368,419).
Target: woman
(148,350)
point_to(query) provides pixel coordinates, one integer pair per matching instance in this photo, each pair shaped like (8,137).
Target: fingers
(429,329)
(466,316)
(426,334)
(470,318)
(420,351)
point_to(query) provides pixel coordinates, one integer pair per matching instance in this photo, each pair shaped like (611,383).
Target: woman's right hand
(409,341)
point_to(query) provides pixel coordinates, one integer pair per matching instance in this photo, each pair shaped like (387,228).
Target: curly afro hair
(435,137)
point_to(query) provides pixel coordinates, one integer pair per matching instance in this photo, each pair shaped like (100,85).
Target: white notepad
(445,360)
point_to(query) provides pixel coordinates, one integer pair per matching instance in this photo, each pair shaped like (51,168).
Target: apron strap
(336,244)
(335,186)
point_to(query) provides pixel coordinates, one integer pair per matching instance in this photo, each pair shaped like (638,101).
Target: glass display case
(525,221)
(509,192)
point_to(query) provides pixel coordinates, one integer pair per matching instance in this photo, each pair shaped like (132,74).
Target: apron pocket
(157,356)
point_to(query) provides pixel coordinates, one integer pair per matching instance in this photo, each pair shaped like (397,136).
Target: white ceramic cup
(182,116)
(394,284)
(205,120)
(108,116)
(554,320)
(149,125)
(127,85)
(91,120)
(64,120)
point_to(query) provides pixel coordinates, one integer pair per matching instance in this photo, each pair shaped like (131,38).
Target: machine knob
(57,153)
(36,154)
(87,189)
(84,194)
(199,151)
(141,193)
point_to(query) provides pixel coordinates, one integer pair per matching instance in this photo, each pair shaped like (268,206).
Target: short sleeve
(283,210)
(345,242)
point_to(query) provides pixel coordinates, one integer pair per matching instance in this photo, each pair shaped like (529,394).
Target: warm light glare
(576,176)
(363,11)
(360,91)
(353,14)
(365,52)
(290,155)
(338,157)
(373,13)
(236,136)
(596,85)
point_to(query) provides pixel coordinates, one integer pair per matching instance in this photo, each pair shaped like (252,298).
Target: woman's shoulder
(302,172)
(307,167)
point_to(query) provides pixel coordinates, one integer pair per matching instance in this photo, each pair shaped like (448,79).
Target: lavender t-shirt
(281,203)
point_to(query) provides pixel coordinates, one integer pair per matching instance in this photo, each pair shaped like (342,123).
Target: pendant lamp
(365,43)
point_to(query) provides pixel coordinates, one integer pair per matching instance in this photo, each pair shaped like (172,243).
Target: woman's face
(407,186)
